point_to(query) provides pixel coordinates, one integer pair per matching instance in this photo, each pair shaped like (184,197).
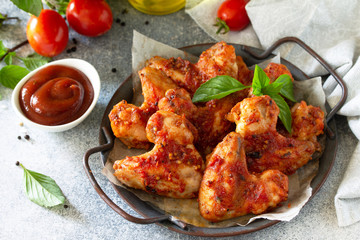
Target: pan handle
(102,194)
(338,79)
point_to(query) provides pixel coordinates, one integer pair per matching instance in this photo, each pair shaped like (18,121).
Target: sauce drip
(56,95)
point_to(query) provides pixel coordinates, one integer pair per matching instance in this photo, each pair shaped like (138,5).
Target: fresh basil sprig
(42,189)
(221,86)
(217,87)
(282,85)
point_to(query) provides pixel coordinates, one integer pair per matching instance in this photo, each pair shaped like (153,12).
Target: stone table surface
(59,155)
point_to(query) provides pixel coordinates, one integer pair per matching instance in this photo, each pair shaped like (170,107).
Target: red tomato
(234,14)
(47,34)
(89,17)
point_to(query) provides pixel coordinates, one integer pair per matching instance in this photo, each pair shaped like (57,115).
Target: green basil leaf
(10,75)
(3,49)
(260,80)
(9,58)
(31,6)
(284,114)
(273,88)
(287,90)
(216,88)
(42,189)
(34,61)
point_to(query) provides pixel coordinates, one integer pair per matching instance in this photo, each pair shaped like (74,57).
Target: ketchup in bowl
(56,95)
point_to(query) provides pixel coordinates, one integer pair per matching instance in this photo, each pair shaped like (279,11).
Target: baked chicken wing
(209,119)
(128,121)
(220,59)
(307,123)
(265,148)
(173,168)
(228,190)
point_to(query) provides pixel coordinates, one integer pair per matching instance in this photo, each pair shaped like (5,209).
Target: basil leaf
(287,90)
(31,6)
(3,49)
(10,75)
(284,114)
(9,58)
(34,61)
(216,88)
(273,88)
(42,189)
(260,80)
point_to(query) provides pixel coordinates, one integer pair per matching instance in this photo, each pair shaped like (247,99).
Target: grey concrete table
(59,155)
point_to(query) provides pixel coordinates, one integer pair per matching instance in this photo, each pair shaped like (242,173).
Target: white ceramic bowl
(78,64)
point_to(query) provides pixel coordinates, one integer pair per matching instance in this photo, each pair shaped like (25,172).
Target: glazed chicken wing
(307,123)
(209,119)
(220,59)
(128,121)
(275,70)
(228,190)
(173,168)
(185,74)
(265,148)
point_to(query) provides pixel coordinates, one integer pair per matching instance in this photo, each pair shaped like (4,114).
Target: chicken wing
(173,168)
(185,74)
(265,148)
(128,121)
(275,70)
(307,123)
(228,190)
(220,59)
(208,119)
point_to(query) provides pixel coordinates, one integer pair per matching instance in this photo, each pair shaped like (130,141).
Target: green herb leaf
(260,81)
(9,58)
(10,75)
(216,88)
(221,24)
(3,49)
(34,61)
(285,113)
(273,88)
(31,6)
(42,189)
(58,5)
(287,89)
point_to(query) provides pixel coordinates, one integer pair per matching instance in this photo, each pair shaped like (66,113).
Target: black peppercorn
(17,163)
(19,137)
(73,49)
(27,137)
(113,69)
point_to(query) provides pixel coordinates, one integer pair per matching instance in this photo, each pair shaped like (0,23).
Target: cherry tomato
(47,34)
(233,13)
(89,17)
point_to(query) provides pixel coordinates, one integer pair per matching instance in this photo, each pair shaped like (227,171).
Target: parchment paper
(187,210)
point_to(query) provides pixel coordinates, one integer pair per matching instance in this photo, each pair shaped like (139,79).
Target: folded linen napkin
(332,29)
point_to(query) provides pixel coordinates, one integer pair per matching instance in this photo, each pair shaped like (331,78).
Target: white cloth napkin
(332,29)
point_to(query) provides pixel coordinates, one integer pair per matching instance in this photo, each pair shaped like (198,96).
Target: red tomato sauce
(56,95)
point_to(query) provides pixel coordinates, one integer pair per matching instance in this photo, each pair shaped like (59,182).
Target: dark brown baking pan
(150,215)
